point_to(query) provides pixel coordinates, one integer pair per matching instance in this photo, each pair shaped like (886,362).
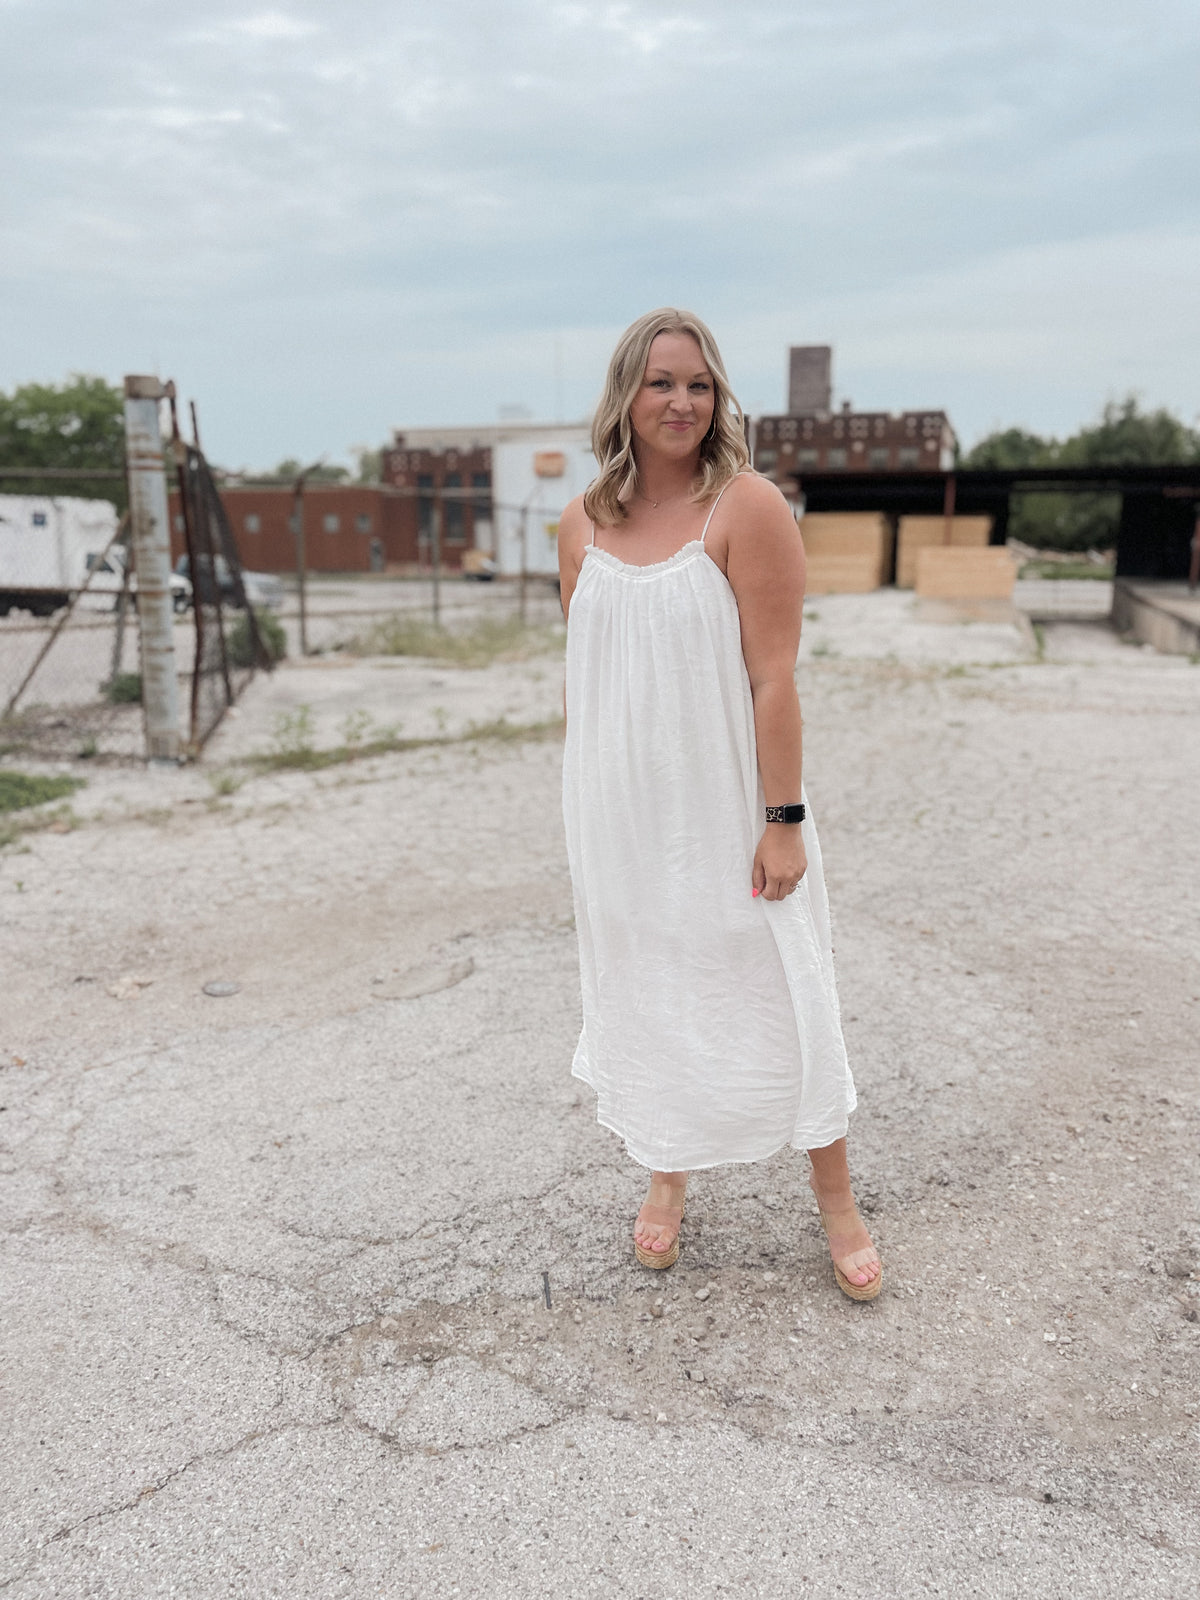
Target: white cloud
(387,204)
(272,25)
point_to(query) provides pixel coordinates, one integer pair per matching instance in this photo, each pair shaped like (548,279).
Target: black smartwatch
(785,813)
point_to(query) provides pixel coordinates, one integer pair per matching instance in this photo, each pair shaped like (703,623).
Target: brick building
(347,527)
(459,476)
(853,441)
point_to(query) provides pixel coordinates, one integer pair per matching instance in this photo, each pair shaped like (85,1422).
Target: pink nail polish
(753,892)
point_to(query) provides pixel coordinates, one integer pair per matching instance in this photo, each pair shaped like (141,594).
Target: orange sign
(549,463)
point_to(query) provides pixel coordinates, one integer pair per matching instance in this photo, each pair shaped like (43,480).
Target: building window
(879,460)
(481,482)
(39,519)
(253,523)
(767,460)
(807,460)
(836,460)
(180,524)
(908,455)
(455,521)
(363,522)
(331,522)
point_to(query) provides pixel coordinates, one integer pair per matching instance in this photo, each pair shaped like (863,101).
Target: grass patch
(299,754)
(479,645)
(1067,569)
(19,790)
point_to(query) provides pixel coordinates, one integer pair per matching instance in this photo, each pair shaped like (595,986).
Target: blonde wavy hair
(723,452)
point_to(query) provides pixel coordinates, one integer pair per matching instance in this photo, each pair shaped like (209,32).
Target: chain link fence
(228,643)
(69,681)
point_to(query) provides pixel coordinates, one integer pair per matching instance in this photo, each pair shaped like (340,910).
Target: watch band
(786,813)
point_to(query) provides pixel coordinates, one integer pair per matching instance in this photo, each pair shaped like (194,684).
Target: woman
(711,1030)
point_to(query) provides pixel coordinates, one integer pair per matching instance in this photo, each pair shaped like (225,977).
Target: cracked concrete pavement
(275,1265)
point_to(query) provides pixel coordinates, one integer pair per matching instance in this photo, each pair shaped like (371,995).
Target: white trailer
(535,473)
(45,545)
(48,546)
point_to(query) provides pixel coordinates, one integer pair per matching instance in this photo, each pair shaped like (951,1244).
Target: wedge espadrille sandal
(660,1217)
(856,1291)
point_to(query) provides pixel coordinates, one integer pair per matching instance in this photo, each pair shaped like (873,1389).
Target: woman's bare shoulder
(756,496)
(574,517)
(574,531)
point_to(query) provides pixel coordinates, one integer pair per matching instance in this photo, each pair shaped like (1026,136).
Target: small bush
(20,789)
(124,689)
(240,644)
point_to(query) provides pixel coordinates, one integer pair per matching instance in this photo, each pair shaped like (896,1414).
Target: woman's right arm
(573,530)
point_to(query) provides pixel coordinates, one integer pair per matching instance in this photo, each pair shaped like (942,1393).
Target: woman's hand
(779,862)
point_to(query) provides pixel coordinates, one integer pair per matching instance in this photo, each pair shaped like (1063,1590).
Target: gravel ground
(276,1264)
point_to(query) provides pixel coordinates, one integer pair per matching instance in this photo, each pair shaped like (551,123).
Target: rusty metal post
(948,499)
(151,550)
(301,559)
(524,581)
(435,553)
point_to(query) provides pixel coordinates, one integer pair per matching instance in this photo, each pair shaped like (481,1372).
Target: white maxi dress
(711,1031)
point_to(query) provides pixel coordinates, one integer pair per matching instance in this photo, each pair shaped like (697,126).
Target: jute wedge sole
(658,1259)
(856,1291)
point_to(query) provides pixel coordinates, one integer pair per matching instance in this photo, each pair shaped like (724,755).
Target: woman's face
(673,408)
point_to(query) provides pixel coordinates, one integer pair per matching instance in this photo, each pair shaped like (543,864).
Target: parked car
(109,579)
(264,591)
(477,564)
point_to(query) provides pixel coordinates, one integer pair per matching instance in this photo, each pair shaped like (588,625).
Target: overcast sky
(328,220)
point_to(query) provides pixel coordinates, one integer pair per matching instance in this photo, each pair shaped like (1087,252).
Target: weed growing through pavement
(387,741)
(293,737)
(61,820)
(225,782)
(355,728)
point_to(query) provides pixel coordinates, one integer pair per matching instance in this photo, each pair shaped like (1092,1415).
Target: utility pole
(524,559)
(435,530)
(302,551)
(151,549)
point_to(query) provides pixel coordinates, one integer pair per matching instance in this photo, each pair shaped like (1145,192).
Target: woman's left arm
(766,573)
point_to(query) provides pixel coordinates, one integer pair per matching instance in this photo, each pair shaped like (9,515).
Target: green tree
(78,424)
(289,469)
(369,463)
(1125,435)
(1011,447)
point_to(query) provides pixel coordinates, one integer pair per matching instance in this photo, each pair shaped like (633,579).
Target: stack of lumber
(947,573)
(917,533)
(849,552)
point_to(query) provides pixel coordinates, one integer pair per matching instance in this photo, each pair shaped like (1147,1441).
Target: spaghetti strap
(715,504)
(592,540)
